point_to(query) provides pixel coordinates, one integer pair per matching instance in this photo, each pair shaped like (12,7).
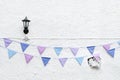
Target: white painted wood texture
(60,19)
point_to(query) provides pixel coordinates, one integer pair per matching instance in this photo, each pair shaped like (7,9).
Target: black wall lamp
(26,25)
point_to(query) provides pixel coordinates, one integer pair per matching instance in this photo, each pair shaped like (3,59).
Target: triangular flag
(7,42)
(63,61)
(97,56)
(41,49)
(74,51)
(106,47)
(28,58)
(58,50)
(91,49)
(118,42)
(11,53)
(111,52)
(79,60)
(24,46)
(45,60)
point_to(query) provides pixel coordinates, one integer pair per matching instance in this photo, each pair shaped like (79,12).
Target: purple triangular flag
(41,49)
(63,61)
(106,47)
(7,42)
(74,51)
(28,58)
(97,56)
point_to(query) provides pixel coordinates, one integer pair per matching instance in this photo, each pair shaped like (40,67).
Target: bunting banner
(11,53)
(106,47)
(91,49)
(45,60)
(24,46)
(111,52)
(41,49)
(97,56)
(28,58)
(57,50)
(118,42)
(63,61)
(79,60)
(7,42)
(74,51)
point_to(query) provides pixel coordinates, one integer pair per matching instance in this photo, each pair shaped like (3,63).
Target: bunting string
(57,49)
(8,39)
(15,52)
(45,59)
(88,38)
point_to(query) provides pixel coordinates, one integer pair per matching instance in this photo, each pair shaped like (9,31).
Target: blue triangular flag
(79,60)
(45,60)
(91,49)
(24,46)
(111,52)
(118,42)
(11,53)
(58,50)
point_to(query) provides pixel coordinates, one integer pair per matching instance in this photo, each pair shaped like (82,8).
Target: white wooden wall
(60,19)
